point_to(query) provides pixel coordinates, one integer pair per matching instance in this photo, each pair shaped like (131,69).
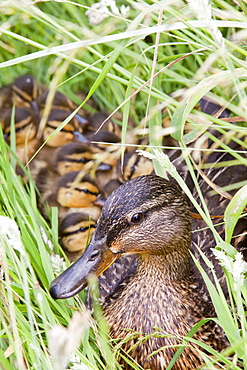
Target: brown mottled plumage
(149,217)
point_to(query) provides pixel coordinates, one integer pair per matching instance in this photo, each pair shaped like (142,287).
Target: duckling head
(72,157)
(76,191)
(95,124)
(134,165)
(147,216)
(25,125)
(25,91)
(61,101)
(75,231)
(77,157)
(70,132)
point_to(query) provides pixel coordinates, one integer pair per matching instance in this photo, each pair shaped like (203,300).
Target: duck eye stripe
(80,230)
(62,129)
(74,160)
(22,95)
(87,191)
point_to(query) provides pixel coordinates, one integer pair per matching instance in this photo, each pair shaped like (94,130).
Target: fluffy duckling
(75,232)
(101,141)
(148,216)
(95,122)
(70,193)
(5,98)
(106,157)
(71,132)
(77,157)
(66,134)
(61,101)
(25,131)
(133,165)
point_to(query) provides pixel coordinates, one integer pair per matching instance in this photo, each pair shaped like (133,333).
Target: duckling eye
(137,218)
(94,255)
(84,160)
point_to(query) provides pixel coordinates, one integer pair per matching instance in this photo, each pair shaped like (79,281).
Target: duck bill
(96,259)
(80,138)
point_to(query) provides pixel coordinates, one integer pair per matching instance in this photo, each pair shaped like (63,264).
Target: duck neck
(172,266)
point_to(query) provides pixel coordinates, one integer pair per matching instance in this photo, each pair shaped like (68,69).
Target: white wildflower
(58,264)
(96,14)
(10,233)
(64,341)
(76,364)
(203,12)
(164,161)
(46,240)
(239,269)
(224,260)
(124,11)
(100,11)
(236,266)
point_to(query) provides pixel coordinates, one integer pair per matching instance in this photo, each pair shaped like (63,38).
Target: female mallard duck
(148,216)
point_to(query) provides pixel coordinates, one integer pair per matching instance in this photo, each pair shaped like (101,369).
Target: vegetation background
(151,61)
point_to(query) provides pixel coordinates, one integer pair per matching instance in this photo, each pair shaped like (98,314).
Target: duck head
(145,216)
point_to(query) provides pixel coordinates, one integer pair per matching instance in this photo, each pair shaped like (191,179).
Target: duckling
(25,92)
(133,165)
(148,216)
(25,130)
(74,157)
(71,132)
(75,231)
(100,141)
(105,155)
(106,191)
(60,101)
(95,122)
(66,134)
(70,193)
(5,98)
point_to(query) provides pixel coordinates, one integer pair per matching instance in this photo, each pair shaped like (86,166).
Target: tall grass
(152,65)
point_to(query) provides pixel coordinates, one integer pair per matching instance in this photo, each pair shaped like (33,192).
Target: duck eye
(136,218)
